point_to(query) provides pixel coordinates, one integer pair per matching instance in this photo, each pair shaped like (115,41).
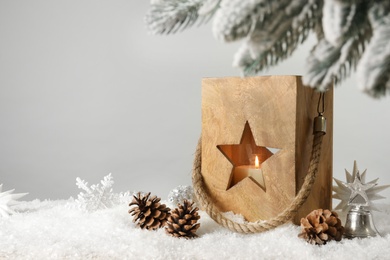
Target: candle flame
(257,162)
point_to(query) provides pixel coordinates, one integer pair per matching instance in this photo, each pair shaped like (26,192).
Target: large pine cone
(182,221)
(148,212)
(321,226)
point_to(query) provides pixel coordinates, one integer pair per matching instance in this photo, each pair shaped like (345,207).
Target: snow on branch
(338,18)
(276,39)
(235,19)
(170,16)
(374,68)
(272,31)
(328,63)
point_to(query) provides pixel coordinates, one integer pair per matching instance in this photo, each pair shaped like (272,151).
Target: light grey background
(85,91)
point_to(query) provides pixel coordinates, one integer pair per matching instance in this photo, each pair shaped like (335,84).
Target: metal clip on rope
(320,120)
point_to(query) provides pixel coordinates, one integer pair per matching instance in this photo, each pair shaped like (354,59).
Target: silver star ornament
(358,188)
(356,191)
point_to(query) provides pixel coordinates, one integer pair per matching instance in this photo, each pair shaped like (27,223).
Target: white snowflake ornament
(7,200)
(96,197)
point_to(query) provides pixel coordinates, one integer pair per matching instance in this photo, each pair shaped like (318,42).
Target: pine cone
(148,212)
(321,226)
(182,221)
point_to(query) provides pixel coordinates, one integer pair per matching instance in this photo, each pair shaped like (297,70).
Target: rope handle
(261,225)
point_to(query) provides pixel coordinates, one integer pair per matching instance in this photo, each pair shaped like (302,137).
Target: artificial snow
(53,230)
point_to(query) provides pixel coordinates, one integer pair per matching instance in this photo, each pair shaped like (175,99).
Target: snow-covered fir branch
(236,19)
(272,30)
(170,16)
(374,68)
(330,64)
(276,39)
(338,17)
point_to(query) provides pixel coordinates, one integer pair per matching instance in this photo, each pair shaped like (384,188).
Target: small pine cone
(148,212)
(321,226)
(182,221)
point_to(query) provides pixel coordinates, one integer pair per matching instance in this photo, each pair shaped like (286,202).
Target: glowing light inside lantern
(253,171)
(257,162)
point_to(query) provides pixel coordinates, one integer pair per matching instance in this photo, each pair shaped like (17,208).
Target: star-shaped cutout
(242,156)
(358,191)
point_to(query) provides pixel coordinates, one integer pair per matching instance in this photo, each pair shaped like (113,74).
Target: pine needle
(171,16)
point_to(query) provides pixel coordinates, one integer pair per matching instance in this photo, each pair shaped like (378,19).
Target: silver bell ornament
(359,222)
(356,196)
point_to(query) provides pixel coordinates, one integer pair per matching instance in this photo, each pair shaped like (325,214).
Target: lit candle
(253,171)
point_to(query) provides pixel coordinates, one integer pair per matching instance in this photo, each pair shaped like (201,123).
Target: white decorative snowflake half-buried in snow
(7,200)
(99,196)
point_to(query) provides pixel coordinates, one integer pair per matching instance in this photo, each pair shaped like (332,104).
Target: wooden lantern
(270,118)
